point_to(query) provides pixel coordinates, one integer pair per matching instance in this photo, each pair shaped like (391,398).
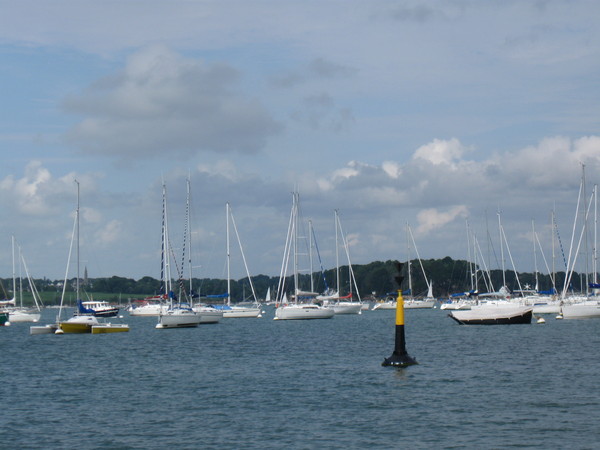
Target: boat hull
(24,316)
(78,324)
(185,318)
(384,305)
(346,307)
(456,306)
(419,304)
(148,310)
(299,312)
(4,319)
(587,310)
(110,328)
(241,312)
(43,329)
(493,316)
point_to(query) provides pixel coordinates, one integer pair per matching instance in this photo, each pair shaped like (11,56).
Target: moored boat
(78,324)
(589,309)
(98,308)
(178,316)
(493,315)
(300,311)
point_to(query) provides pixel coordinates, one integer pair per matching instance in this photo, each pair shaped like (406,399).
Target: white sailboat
(342,304)
(411,302)
(583,306)
(80,322)
(178,315)
(230,310)
(21,313)
(303,306)
(208,314)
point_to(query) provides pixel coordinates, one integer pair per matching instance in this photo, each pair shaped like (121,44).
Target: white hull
(584,310)
(419,304)
(346,307)
(241,312)
(43,329)
(148,310)
(456,306)
(208,314)
(546,308)
(24,316)
(300,312)
(385,305)
(179,318)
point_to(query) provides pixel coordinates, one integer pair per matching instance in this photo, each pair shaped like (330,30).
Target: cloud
(164,104)
(110,232)
(432,219)
(38,193)
(440,151)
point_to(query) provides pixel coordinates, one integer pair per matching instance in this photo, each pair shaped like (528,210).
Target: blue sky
(427,113)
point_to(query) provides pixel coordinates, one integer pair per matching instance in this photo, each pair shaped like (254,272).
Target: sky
(463,120)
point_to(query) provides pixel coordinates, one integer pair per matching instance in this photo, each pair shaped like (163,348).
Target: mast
(14,276)
(586,244)
(310,255)
(501,250)
(337,253)
(408,261)
(535,268)
(77,218)
(295,244)
(189,240)
(595,249)
(228,255)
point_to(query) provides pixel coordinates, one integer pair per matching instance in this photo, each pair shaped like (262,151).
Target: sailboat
(178,315)
(21,313)
(80,322)
(303,306)
(240,311)
(208,314)
(342,304)
(411,302)
(585,306)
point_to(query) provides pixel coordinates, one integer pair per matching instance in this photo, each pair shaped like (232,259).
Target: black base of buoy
(399,360)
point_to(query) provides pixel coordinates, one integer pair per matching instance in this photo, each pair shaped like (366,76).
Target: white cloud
(432,219)
(441,152)
(162,104)
(110,232)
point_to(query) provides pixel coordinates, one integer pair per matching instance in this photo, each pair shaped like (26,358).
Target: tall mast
(501,250)
(228,255)
(408,261)
(310,254)
(295,243)
(595,250)
(14,275)
(586,256)
(77,219)
(337,253)
(534,256)
(189,239)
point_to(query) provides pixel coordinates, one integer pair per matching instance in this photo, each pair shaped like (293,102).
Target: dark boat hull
(492,319)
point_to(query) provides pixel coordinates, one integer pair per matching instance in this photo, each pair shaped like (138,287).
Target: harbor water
(260,383)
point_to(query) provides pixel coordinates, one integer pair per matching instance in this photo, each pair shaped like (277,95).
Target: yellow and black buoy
(399,358)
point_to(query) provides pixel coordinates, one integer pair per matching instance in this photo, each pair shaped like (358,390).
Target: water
(259,383)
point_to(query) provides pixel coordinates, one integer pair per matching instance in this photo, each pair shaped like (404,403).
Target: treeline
(376,279)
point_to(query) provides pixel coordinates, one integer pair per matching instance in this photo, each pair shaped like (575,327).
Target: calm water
(259,383)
